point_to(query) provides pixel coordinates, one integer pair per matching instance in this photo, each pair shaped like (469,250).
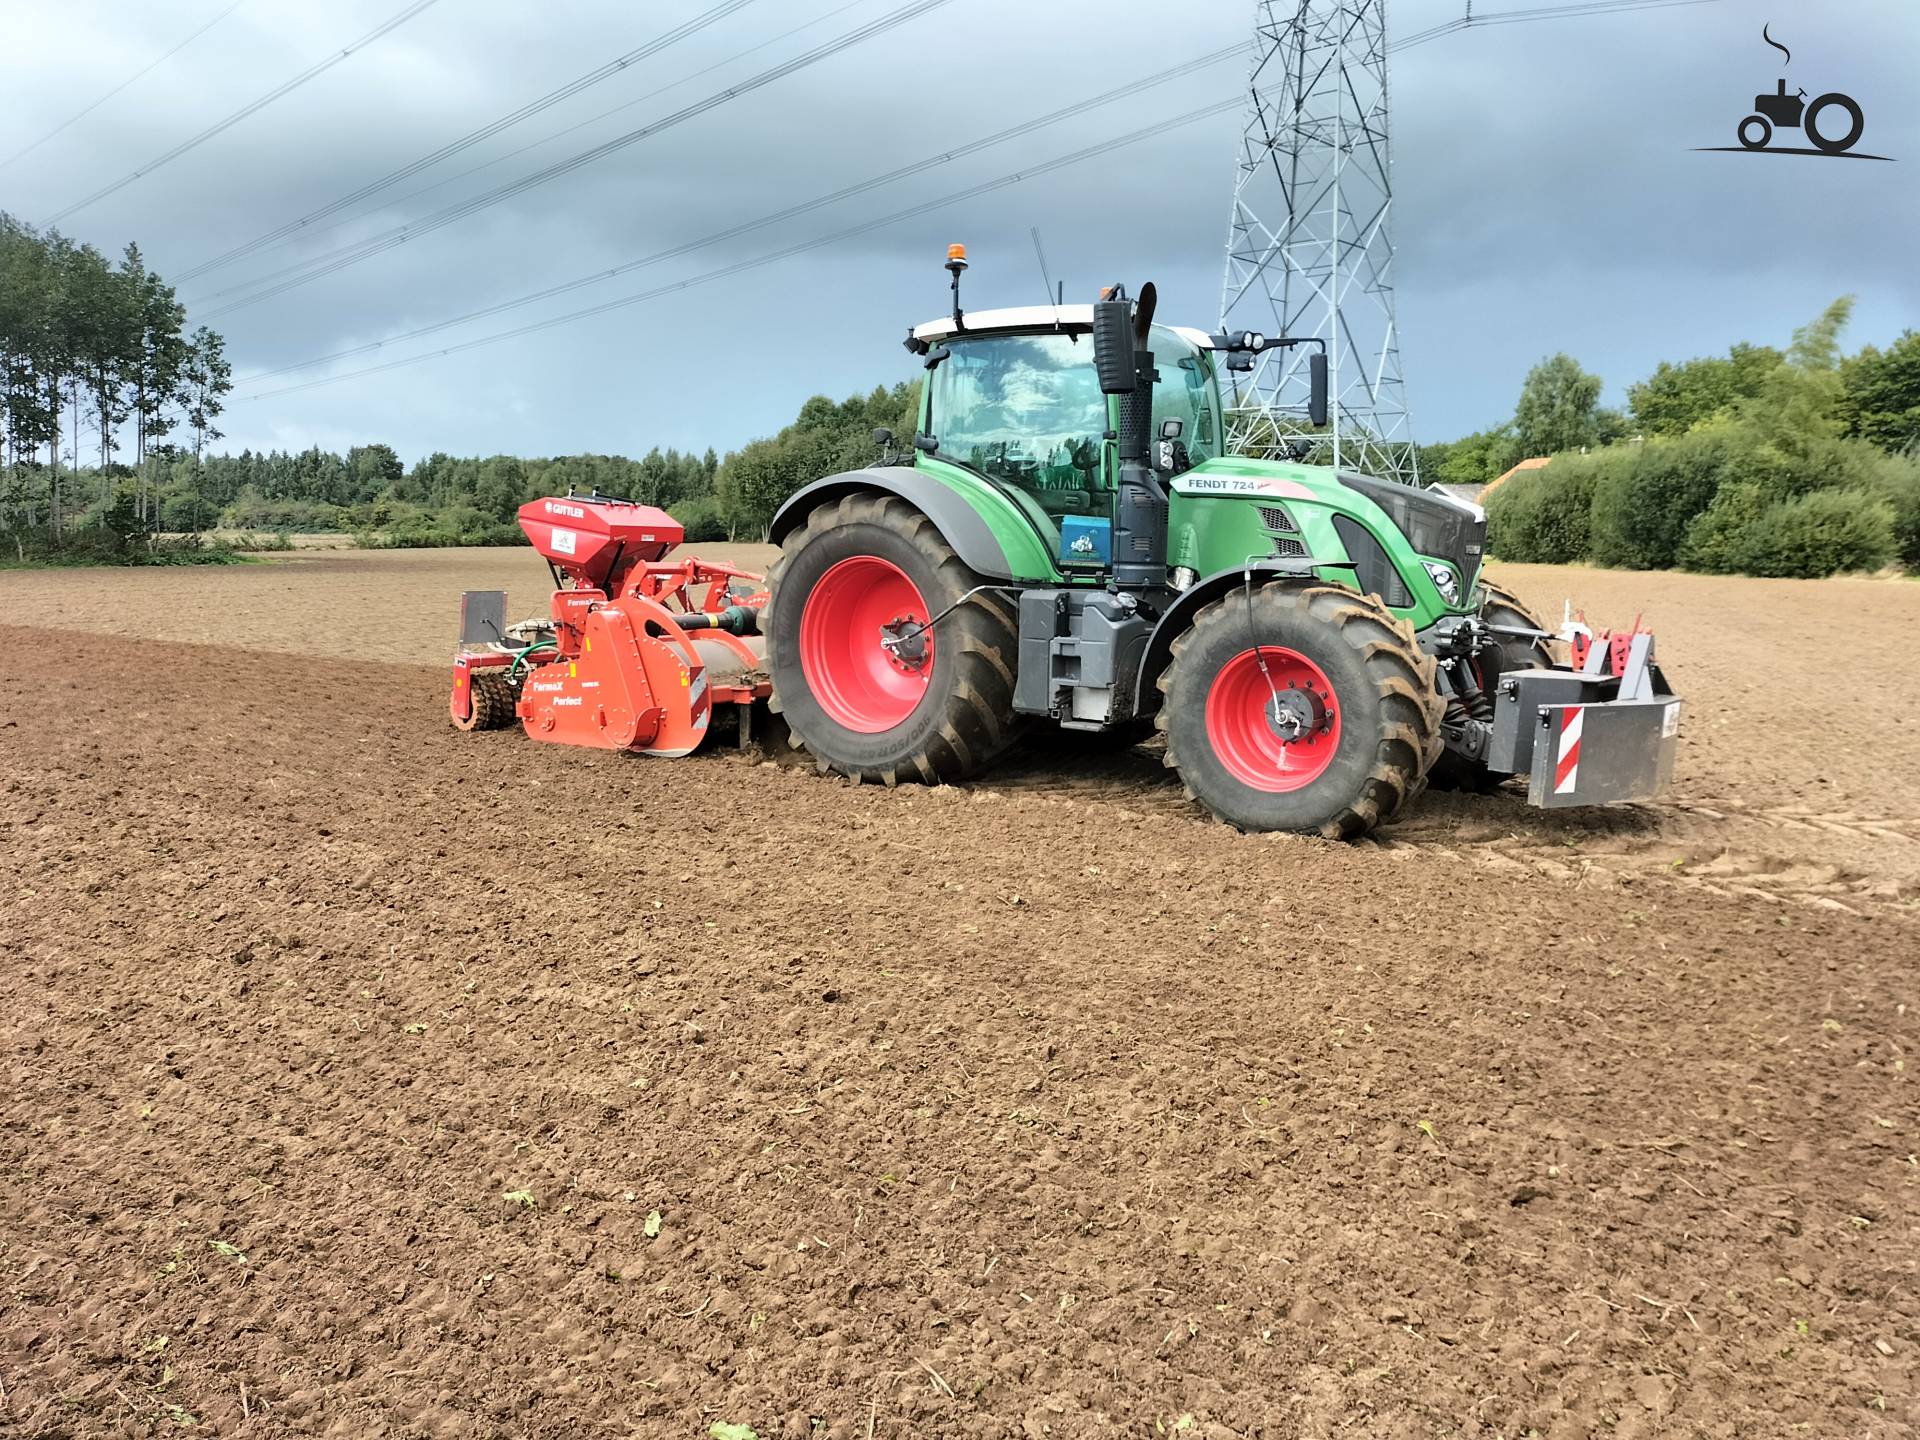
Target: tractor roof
(1074,319)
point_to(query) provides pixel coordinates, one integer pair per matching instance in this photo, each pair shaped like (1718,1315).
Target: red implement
(638,649)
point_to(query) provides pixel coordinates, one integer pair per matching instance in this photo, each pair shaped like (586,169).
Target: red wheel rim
(860,682)
(1240,707)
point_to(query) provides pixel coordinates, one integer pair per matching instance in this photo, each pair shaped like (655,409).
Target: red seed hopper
(637,650)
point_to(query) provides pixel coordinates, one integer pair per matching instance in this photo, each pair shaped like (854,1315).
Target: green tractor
(1067,542)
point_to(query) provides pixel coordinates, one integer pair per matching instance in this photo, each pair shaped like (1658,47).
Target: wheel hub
(1273,719)
(1297,713)
(904,638)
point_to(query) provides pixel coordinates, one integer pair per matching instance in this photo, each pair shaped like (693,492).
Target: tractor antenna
(957,262)
(1053,295)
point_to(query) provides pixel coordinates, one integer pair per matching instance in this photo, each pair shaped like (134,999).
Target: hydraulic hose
(520,657)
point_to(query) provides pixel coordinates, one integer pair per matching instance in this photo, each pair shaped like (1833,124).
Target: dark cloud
(1548,195)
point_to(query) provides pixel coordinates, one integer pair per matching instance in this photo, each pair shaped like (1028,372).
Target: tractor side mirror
(883,437)
(1113,347)
(1317,387)
(925,443)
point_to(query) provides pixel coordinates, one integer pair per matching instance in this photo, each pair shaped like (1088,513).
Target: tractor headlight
(1444,580)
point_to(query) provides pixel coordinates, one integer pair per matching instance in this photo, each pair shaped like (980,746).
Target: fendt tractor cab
(1068,541)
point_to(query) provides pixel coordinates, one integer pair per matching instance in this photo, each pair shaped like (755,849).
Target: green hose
(520,657)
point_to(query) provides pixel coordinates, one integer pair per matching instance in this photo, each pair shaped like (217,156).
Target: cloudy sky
(1548,197)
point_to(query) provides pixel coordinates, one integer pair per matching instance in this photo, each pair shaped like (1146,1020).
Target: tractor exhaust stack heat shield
(1113,346)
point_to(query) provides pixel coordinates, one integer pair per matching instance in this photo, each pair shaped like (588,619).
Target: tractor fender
(1177,617)
(958,522)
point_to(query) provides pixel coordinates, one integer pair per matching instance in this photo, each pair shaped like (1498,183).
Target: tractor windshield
(1025,410)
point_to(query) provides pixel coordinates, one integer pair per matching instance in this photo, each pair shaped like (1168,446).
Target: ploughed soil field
(361,1078)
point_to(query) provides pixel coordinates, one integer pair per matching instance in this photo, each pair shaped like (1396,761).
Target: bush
(1544,517)
(250,512)
(412,528)
(1896,480)
(278,540)
(102,545)
(1820,533)
(701,517)
(1645,497)
(1714,541)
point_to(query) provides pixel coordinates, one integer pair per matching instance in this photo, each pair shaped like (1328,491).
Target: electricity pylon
(1310,243)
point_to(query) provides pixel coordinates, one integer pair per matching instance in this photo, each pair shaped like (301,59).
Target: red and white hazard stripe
(1567,772)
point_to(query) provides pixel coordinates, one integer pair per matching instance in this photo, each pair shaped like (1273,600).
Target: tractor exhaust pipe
(1124,364)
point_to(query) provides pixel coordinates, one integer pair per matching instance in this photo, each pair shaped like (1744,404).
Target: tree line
(452,500)
(96,364)
(1795,462)
(1559,410)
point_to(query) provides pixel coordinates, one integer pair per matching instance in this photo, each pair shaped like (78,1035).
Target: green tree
(372,469)
(1881,394)
(824,438)
(205,379)
(1800,400)
(1475,459)
(1675,398)
(499,487)
(1558,409)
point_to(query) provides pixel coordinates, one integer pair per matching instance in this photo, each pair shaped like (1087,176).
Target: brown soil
(343,1059)
(352,604)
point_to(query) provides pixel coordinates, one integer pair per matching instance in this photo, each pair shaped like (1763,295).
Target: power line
(284,88)
(347,255)
(1593,7)
(944,157)
(288,277)
(486,132)
(138,74)
(1521,17)
(550,137)
(850,233)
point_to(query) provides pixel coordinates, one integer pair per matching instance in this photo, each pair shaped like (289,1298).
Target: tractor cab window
(1185,392)
(1026,411)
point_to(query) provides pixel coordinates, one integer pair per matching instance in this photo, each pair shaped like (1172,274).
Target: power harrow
(638,652)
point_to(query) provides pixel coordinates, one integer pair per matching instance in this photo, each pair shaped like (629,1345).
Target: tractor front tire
(865,689)
(1302,708)
(1517,652)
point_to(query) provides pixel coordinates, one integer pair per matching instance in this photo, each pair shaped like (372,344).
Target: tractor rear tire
(1517,652)
(1348,672)
(492,702)
(937,705)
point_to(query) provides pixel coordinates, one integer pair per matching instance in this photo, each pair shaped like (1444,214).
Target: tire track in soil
(1784,855)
